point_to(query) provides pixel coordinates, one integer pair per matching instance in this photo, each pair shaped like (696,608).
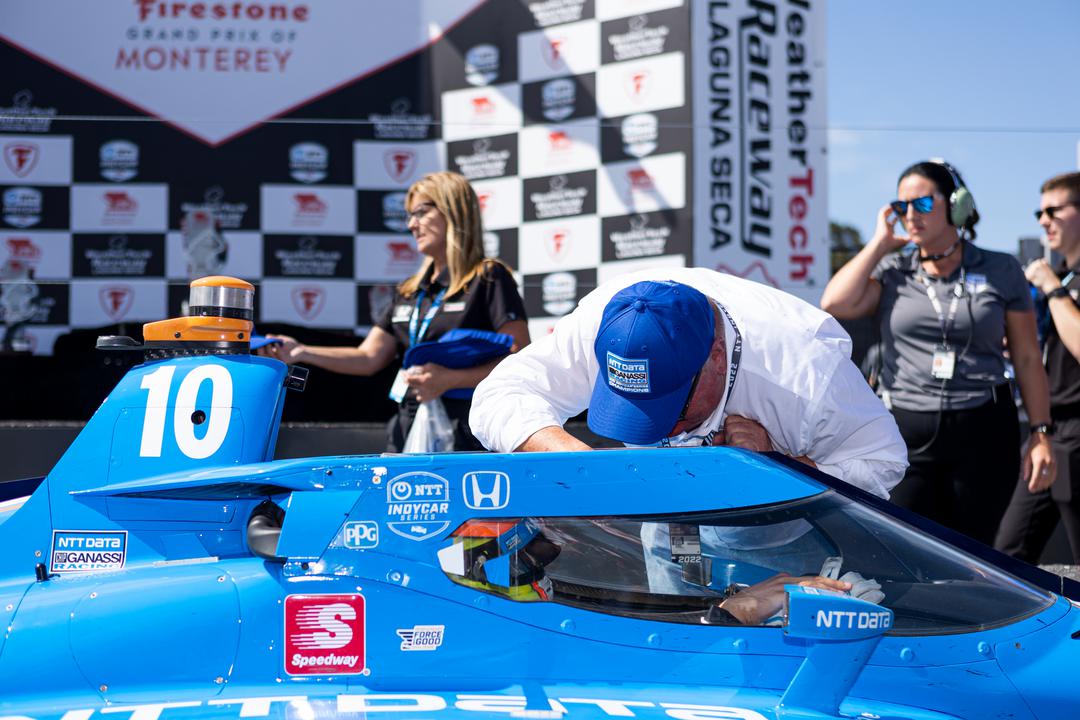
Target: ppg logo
(361,535)
(486,490)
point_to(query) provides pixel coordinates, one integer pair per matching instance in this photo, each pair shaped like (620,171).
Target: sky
(992,86)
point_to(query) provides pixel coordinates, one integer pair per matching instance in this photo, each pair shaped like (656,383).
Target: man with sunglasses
(689,356)
(1033,513)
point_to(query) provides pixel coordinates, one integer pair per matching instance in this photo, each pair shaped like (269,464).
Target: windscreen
(707,568)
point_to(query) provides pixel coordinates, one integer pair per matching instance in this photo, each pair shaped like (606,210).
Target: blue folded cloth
(457,349)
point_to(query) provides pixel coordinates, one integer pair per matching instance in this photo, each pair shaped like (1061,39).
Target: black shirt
(488,302)
(1062,370)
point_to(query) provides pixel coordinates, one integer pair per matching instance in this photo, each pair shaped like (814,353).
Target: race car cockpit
(682,568)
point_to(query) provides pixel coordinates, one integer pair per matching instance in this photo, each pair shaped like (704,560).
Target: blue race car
(167,569)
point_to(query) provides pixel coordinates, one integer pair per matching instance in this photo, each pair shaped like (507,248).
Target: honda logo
(486,490)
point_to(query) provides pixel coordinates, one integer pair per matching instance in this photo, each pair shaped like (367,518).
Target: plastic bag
(431,430)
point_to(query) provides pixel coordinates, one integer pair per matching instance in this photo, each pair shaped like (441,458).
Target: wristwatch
(1057,292)
(1043,428)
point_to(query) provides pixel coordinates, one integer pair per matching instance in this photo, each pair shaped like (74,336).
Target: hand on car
(287,351)
(757,603)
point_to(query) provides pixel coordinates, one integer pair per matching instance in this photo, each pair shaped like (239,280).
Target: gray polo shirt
(994,283)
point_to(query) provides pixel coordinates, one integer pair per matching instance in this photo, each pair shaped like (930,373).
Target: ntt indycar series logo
(324,634)
(75,551)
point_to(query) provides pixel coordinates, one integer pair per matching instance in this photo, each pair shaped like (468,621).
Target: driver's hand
(867,589)
(757,603)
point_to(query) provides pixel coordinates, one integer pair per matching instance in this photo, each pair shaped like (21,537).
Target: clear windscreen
(682,568)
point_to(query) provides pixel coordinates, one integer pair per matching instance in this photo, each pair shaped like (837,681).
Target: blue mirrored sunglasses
(922,205)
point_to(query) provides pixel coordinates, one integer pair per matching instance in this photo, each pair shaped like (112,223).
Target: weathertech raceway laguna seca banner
(147,142)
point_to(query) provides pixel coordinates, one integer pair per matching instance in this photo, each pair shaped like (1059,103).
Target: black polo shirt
(488,302)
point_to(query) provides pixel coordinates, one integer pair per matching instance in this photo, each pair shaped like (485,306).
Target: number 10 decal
(159,383)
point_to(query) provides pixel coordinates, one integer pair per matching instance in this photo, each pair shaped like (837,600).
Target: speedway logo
(421,637)
(324,634)
(75,551)
(417,505)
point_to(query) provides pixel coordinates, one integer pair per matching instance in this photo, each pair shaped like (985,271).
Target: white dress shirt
(795,378)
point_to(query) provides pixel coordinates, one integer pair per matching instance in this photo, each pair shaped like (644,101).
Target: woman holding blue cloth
(455,288)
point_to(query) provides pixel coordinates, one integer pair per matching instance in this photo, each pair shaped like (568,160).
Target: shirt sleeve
(1014,286)
(383,321)
(850,434)
(501,295)
(541,386)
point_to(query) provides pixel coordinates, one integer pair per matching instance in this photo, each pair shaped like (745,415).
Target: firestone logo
(558,243)
(553,52)
(400,164)
(637,83)
(21,157)
(324,635)
(116,301)
(308,301)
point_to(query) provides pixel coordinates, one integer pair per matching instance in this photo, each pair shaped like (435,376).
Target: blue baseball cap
(653,339)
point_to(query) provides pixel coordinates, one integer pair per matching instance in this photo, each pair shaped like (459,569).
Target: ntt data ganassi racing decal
(324,634)
(417,504)
(77,551)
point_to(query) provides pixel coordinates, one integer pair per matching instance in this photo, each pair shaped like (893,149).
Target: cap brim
(635,421)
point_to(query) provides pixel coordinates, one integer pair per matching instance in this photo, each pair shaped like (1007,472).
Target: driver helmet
(505,557)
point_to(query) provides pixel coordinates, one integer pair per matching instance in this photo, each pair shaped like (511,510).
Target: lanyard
(416,334)
(945,322)
(733,371)
(1046,345)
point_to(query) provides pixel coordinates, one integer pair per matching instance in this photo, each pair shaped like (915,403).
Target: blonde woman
(455,287)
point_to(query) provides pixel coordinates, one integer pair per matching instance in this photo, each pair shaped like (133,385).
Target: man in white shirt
(689,356)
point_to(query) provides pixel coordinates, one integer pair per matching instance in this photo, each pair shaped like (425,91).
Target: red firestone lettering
(154,9)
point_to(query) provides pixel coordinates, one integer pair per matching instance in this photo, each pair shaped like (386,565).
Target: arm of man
(537,389)
(850,434)
(1038,464)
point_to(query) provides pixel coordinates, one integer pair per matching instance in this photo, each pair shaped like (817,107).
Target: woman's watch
(1042,428)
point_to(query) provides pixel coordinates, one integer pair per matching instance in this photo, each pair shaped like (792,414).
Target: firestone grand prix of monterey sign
(144,143)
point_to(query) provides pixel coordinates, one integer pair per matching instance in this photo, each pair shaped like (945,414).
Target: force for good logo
(421,637)
(75,551)
(417,504)
(324,634)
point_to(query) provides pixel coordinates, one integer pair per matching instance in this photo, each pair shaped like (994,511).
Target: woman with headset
(945,311)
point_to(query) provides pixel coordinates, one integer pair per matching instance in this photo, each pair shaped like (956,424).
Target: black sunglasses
(922,205)
(1053,209)
(690,396)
